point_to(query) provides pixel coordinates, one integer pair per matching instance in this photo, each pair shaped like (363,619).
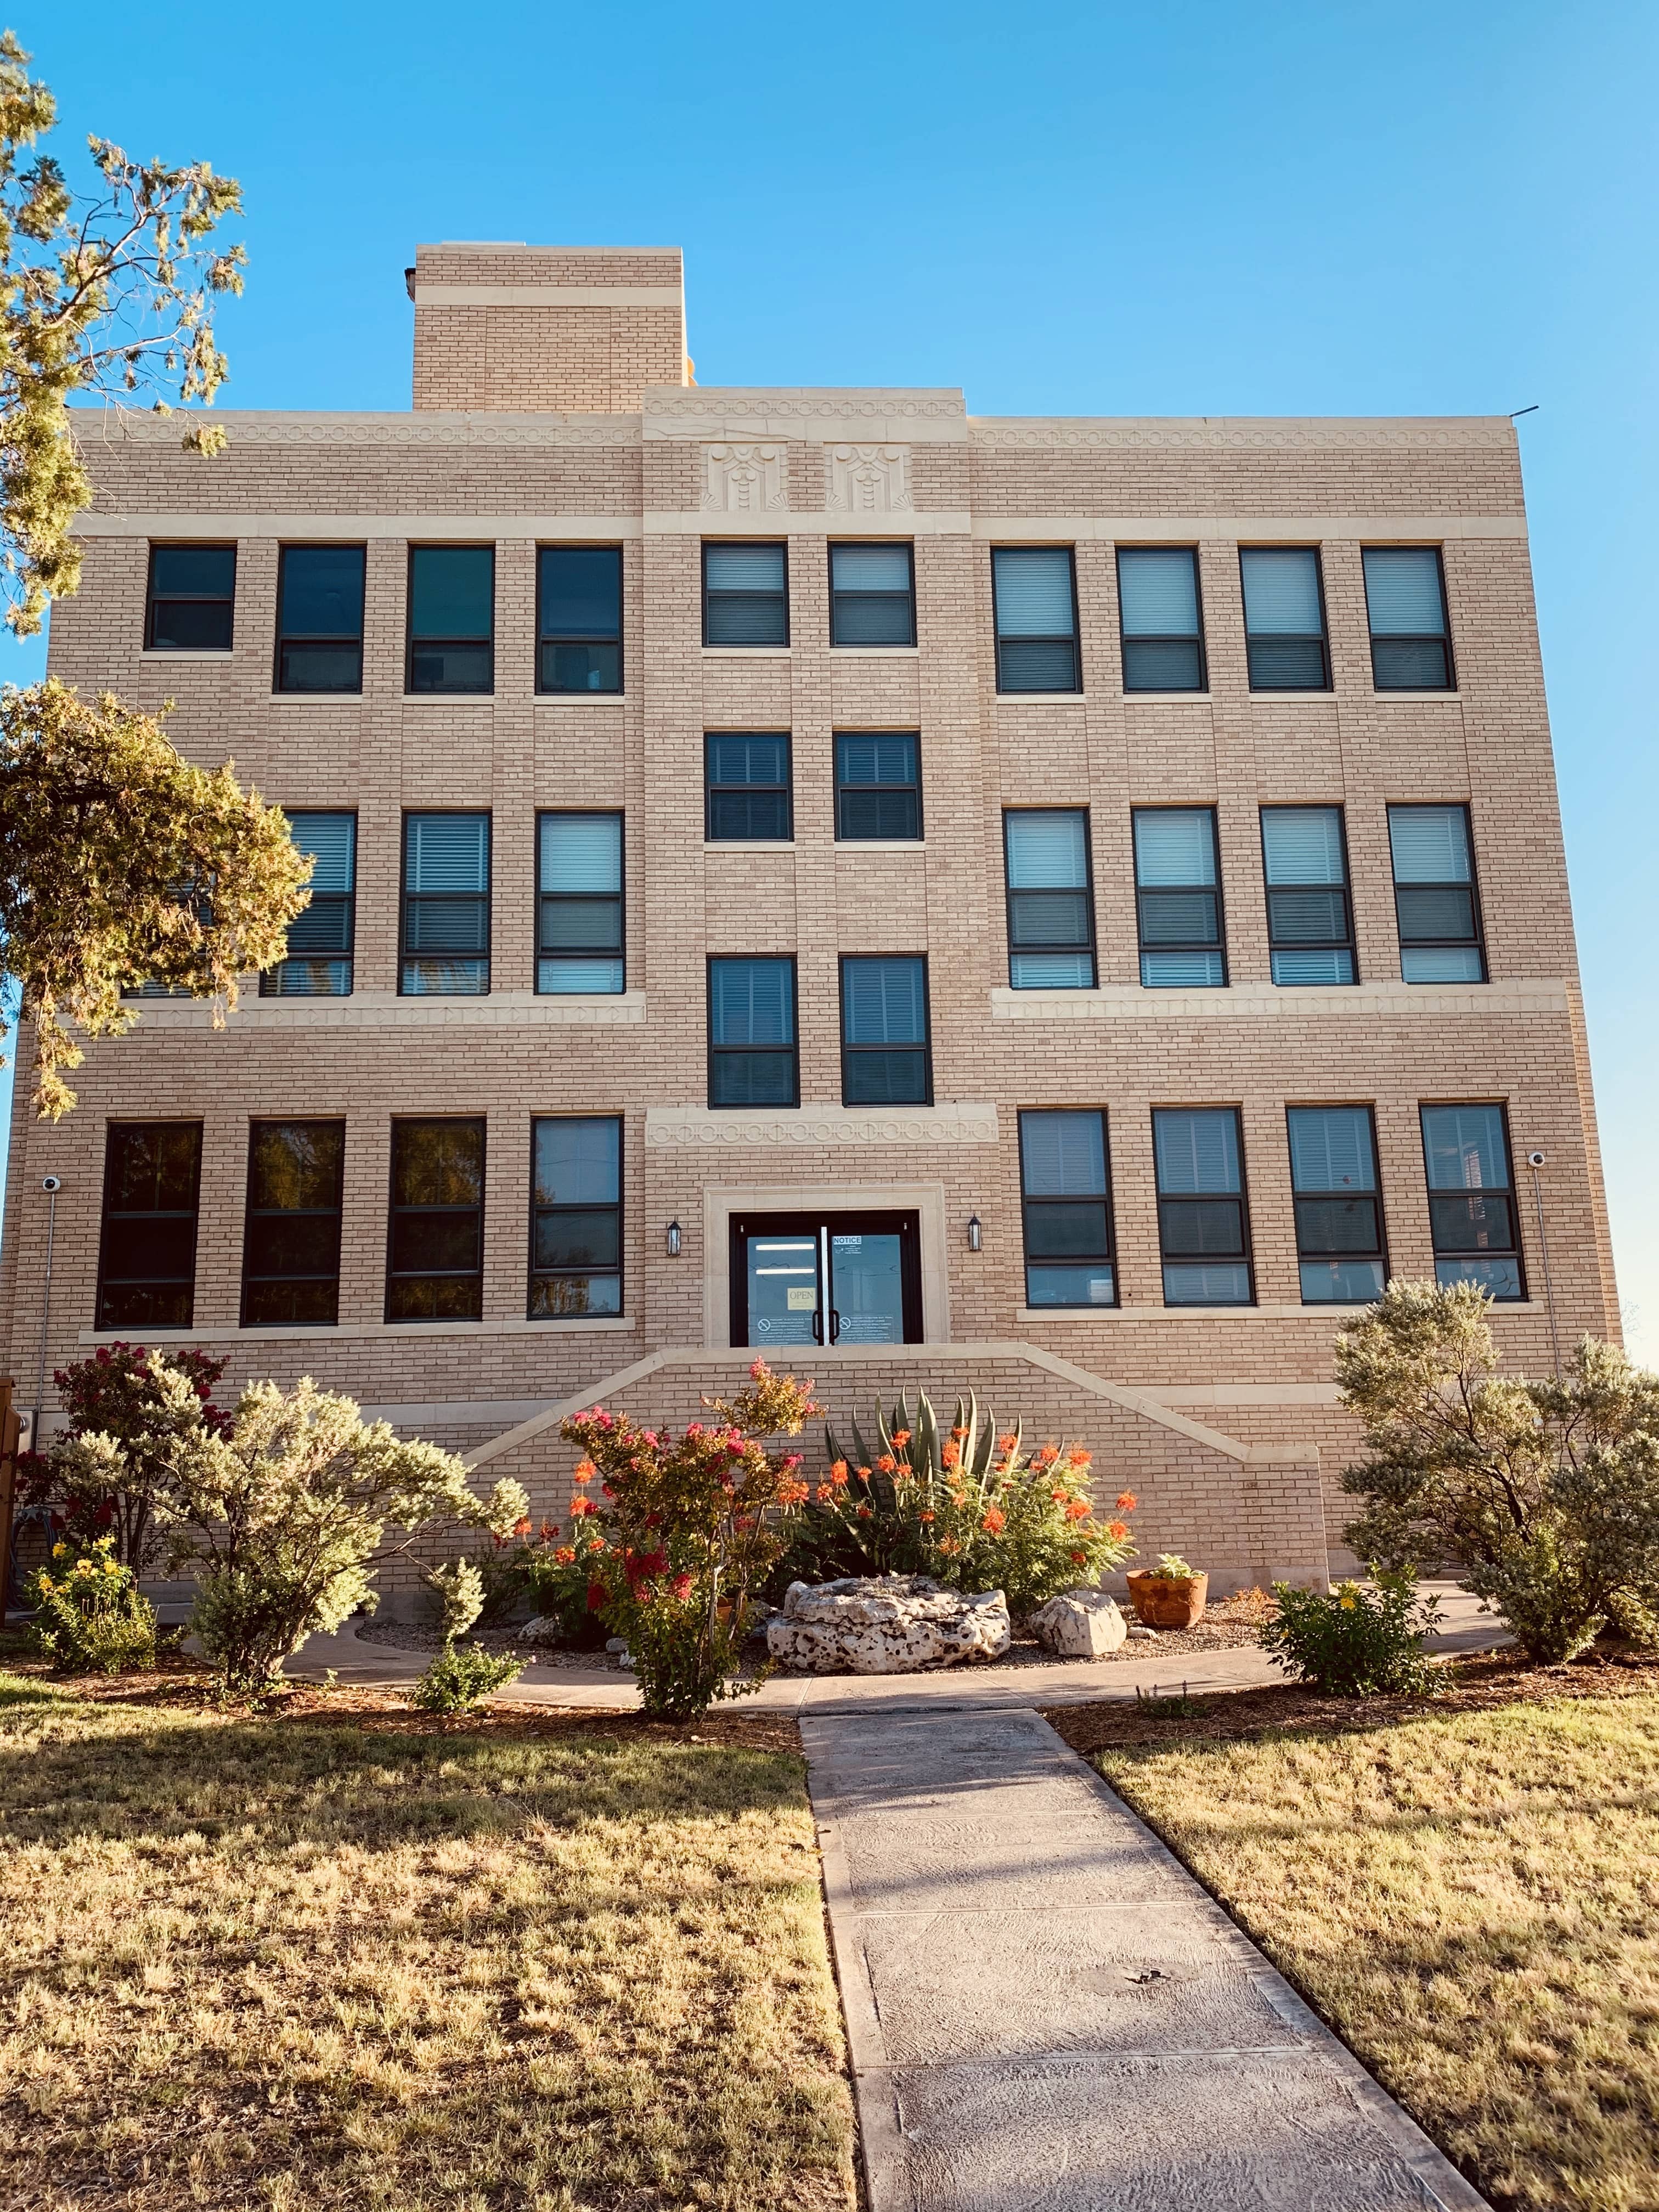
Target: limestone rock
(1080,1623)
(541,1628)
(885,1625)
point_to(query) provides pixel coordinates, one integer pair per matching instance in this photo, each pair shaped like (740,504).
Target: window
(320,943)
(884,1055)
(745,595)
(147,1256)
(579,940)
(291,1242)
(1405,601)
(1434,894)
(1178,897)
(1051,906)
(1157,614)
(746,786)
(575,1217)
(578,618)
(752,1033)
(445,947)
(192,600)
(1284,619)
(1477,1237)
(872,595)
(319,618)
(1310,923)
(1202,1226)
(1339,1214)
(877,785)
(452,619)
(1065,1203)
(435,1250)
(1035,595)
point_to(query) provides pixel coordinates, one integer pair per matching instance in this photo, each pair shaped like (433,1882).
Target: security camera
(1534,1159)
(51,1182)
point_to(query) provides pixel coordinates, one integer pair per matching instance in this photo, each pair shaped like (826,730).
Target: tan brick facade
(638,457)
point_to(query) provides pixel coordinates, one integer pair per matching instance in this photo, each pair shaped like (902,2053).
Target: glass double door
(825,1279)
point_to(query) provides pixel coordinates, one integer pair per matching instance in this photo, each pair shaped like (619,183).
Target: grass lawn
(1468,1891)
(345,1957)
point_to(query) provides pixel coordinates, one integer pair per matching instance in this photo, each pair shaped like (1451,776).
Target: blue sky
(1065,210)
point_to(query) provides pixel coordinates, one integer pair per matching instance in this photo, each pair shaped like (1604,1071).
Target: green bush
(461,1675)
(1355,1642)
(89,1617)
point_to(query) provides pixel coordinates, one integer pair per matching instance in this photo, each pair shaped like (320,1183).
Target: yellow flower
(58,1550)
(1347,1601)
(111,1567)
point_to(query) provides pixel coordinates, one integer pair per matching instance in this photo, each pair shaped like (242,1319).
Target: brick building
(1081,899)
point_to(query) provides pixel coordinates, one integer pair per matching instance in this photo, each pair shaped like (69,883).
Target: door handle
(818,1324)
(835,1324)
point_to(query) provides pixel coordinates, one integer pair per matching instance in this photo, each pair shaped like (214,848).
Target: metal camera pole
(51,1185)
(1535,1161)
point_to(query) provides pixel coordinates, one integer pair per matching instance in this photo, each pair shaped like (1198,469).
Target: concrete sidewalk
(1044,2009)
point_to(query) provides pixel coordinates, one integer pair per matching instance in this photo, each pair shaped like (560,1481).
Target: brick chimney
(546,329)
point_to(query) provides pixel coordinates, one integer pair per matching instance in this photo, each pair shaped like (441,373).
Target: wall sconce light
(975,1234)
(673,1240)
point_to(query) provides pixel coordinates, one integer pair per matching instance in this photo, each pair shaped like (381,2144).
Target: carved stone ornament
(746,479)
(868,479)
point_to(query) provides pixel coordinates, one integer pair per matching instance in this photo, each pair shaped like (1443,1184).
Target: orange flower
(838,1471)
(1048,1455)
(952,1454)
(1128,1502)
(948,1546)
(994,1523)
(578,1506)
(1059,1496)
(1117,1530)
(564,1555)
(793,1494)
(596,1543)
(1008,1443)
(585,1471)
(824,1494)
(887,1464)
(864,1473)
(901,1437)
(864,1513)
(958,1431)
(1081,1458)
(1079,1558)
(1078,1509)
(924,1516)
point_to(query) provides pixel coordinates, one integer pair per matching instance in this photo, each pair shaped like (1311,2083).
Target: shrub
(1544,1496)
(969,1507)
(1355,1643)
(89,1615)
(460,1676)
(119,1393)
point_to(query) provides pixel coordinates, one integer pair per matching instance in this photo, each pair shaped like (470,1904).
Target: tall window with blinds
(1034,590)
(147,1253)
(320,941)
(578,619)
(579,905)
(872,598)
(747,790)
(1203,1224)
(1472,1212)
(291,1239)
(1310,921)
(886,1057)
(877,785)
(745,595)
(1178,898)
(1435,898)
(1285,640)
(1338,1209)
(445,906)
(452,619)
(752,1059)
(1051,908)
(434,1247)
(1159,617)
(1066,1209)
(319,618)
(1406,604)
(575,1217)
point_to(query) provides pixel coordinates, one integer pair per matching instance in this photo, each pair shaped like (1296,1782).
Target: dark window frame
(1349,944)
(1329,1197)
(317,691)
(480,1122)
(1108,1257)
(1010,895)
(1478,940)
(447,691)
(859,546)
(348,899)
(1391,637)
(791,961)
(867,1050)
(710,788)
(250,1212)
(620,1271)
(543,639)
(1508,1192)
(152,600)
(842,837)
(1125,641)
(1247,1255)
(1291,690)
(1220,944)
(106,1215)
(722,645)
(1074,690)
(619,897)
(404,895)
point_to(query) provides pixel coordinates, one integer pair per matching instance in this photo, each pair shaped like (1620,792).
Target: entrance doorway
(825,1279)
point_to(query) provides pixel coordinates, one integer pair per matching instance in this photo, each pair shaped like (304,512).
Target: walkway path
(1045,2010)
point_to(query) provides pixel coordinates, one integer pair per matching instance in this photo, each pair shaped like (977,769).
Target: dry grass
(343,1956)
(1469,1892)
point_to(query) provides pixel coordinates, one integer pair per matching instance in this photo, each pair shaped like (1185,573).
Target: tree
(105,293)
(1544,1496)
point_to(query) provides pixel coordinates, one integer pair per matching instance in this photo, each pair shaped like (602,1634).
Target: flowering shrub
(90,1618)
(118,1393)
(1355,1643)
(689,1523)
(970,1507)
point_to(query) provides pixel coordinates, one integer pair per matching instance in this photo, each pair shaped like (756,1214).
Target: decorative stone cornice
(1242,434)
(108,432)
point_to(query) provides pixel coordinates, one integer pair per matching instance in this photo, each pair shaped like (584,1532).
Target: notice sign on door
(803,1299)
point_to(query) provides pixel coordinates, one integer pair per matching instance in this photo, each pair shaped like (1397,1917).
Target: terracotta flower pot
(1161,1603)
